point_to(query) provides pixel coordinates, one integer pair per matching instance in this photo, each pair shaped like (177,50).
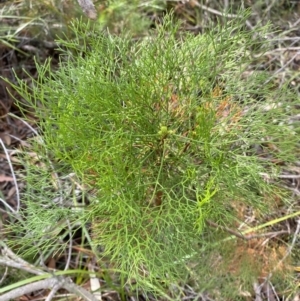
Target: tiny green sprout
(163,132)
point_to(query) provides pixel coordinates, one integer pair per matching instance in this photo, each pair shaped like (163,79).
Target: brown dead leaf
(11,192)
(4,178)
(6,138)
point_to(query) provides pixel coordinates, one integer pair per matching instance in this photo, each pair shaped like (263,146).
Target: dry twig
(13,175)
(10,259)
(248,237)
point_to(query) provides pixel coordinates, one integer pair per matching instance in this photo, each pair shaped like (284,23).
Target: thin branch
(29,288)
(94,282)
(13,175)
(289,176)
(26,123)
(8,206)
(70,246)
(4,275)
(267,10)
(54,290)
(282,68)
(281,49)
(288,252)
(21,264)
(214,11)
(248,237)
(7,252)
(79,291)
(16,265)
(65,283)
(60,282)
(257,290)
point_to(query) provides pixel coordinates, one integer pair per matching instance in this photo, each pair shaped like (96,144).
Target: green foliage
(120,15)
(168,133)
(47,20)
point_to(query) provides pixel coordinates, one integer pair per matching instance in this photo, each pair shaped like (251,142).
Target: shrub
(169,133)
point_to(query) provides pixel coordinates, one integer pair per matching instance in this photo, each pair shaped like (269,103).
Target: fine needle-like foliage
(168,132)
